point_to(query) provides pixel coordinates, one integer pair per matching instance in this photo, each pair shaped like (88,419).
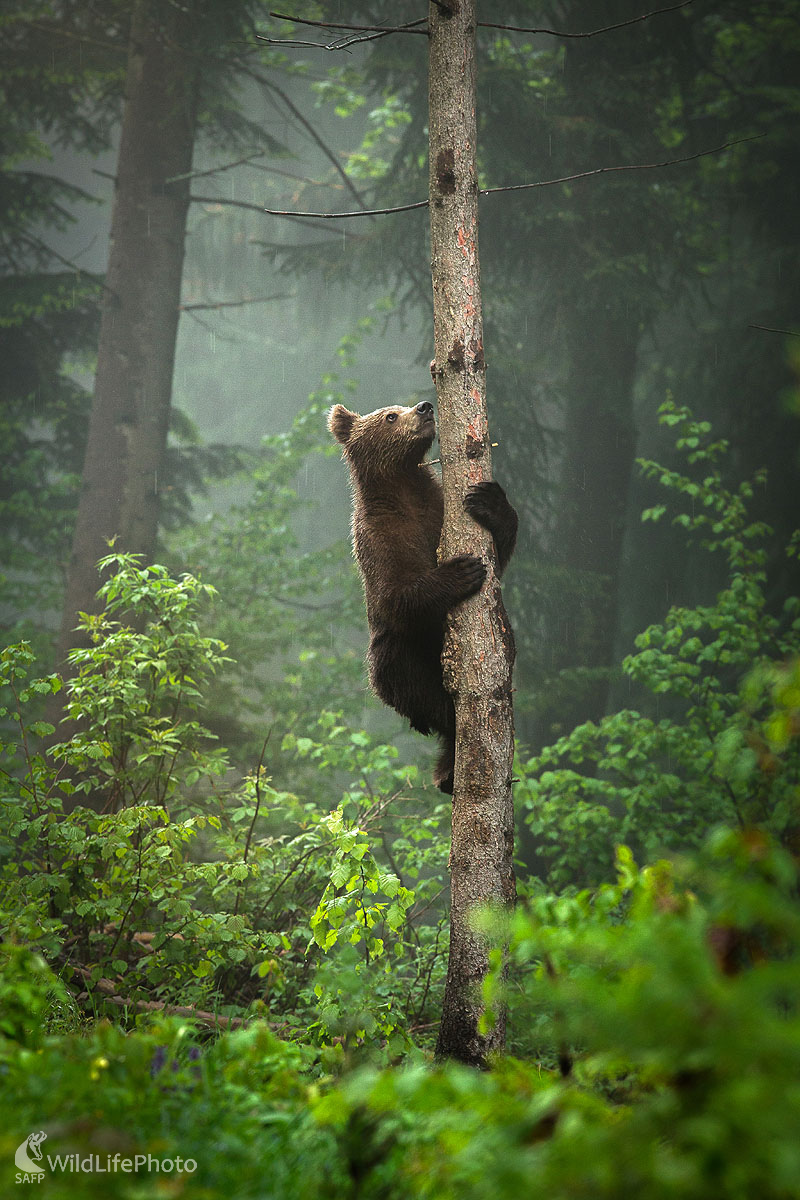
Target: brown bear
(397,523)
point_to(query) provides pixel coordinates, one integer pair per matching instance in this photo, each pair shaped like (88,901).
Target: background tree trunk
(133,385)
(597,463)
(479,648)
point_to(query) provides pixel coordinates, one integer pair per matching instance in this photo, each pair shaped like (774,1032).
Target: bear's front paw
(467,573)
(486,503)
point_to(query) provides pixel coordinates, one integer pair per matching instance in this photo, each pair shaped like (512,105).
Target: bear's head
(386,440)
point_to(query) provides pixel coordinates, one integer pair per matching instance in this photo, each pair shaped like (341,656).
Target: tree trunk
(133,384)
(479,647)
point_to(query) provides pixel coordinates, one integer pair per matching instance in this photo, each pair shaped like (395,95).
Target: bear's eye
(391,417)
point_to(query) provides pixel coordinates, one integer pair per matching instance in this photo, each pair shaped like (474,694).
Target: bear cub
(398,509)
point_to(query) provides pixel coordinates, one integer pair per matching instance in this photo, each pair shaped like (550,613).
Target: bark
(133,384)
(479,646)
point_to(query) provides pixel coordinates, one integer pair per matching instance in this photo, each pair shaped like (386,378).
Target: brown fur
(397,524)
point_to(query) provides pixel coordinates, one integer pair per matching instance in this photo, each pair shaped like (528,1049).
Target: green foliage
(138,685)
(655,1017)
(185,888)
(29,994)
(719,755)
(236,1114)
(669,997)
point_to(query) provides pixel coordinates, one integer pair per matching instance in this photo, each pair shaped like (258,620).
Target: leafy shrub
(186,891)
(227,1119)
(669,998)
(661,783)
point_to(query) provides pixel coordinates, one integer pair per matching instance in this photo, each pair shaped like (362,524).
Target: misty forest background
(212,819)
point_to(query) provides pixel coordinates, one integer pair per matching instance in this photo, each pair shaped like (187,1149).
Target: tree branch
(215,170)
(235,303)
(326,150)
(43,248)
(668,162)
(657,12)
(325,216)
(377,31)
(302,218)
(770,329)
(215,1020)
(512,187)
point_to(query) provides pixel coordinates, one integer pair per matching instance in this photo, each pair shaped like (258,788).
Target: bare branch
(43,248)
(324,216)
(657,12)
(381,30)
(295,43)
(377,31)
(769,329)
(326,150)
(209,329)
(217,170)
(195,174)
(668,162)
(339,43)
(301,218)
(512,187)
(236,303)
(214,1020)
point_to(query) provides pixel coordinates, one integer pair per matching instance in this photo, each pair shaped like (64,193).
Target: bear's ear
(341,422)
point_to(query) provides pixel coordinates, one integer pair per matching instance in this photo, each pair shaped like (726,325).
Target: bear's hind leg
(444,723)
(445,766)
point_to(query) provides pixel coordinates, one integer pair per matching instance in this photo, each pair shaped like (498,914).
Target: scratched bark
(479,647)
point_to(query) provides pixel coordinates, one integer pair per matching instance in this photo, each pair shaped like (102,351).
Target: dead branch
(41,247)
(216,170)
(302,218)
(512,187)
(109,990)
(376,31)
(325,216)
(309,128)
(236,303)
(380,30)
(769,329)
(668,162)
(657,12)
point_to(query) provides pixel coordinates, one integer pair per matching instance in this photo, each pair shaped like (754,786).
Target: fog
(603,297)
